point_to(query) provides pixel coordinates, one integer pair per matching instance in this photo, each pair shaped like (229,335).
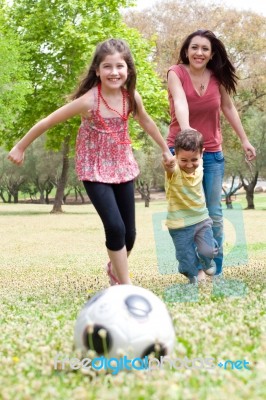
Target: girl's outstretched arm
(76,107)
(150,127)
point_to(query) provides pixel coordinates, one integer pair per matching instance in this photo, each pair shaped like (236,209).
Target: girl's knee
(115,237)
(130,240)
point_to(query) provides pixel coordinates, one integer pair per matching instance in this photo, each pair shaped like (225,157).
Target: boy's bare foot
(201,276)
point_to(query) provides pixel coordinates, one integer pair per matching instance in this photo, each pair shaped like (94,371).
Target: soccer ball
(125,320)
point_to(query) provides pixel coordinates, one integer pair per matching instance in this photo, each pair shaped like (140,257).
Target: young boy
(188,220)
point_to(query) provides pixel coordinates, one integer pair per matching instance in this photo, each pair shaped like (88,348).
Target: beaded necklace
(123,116)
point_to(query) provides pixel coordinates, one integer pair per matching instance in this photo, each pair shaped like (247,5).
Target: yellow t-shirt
(186,200)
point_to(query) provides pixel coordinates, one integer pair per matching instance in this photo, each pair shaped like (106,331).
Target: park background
(52,252)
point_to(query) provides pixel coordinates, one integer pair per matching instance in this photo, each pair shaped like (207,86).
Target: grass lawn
(50,264)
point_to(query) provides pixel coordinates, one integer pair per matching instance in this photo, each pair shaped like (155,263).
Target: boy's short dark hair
(189,140)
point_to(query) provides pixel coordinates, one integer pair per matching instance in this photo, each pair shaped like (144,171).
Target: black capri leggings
(115,205)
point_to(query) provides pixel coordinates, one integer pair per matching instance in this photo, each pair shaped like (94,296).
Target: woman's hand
(249,150)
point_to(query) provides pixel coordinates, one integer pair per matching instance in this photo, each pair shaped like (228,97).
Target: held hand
(168,160)
(249,150)
(16,156)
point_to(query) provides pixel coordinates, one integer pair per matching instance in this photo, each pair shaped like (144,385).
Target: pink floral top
(100,157)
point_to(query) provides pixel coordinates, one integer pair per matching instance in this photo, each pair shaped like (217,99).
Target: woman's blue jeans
(213,174)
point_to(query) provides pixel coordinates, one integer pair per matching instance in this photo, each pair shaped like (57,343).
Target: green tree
(11,179)
(169,22)
(14,80)
(39,174)
(243,33)
(61,37)
(74,186)
(254,122)
(42,170)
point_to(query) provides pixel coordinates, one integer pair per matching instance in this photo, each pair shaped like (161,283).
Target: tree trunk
(228,202)
(82,197)
(231,192)
(144,190)
(79,192)
(42,199)
(15,196)
(2,196)
(49,187)
(249,188)
(57,208)
(147,201)
(250,199)
(65,196)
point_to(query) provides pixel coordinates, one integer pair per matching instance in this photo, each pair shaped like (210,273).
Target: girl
(199,86)
(104,160)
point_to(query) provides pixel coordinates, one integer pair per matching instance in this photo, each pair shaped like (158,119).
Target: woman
(199,87)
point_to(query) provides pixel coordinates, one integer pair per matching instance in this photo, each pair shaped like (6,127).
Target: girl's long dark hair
(220,64)
(90,79)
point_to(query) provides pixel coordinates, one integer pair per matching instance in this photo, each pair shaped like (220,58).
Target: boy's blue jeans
(213,174)
(185,239)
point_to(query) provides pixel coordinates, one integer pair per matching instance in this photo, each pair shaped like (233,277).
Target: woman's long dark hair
(220,64)
(90,78)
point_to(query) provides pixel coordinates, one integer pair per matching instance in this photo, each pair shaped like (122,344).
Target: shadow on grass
(19,213)
(190,293)
(32,213)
